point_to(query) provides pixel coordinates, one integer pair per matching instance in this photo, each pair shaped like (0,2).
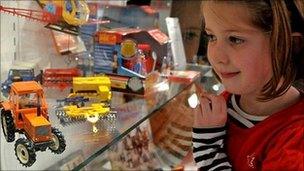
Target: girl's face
(238,51)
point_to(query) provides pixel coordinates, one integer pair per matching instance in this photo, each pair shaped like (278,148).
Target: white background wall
(8,34)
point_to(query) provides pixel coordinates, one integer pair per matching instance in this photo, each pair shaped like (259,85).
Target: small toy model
(94,91)
(60,78)
(92,87)
(26,113)
(93,113)
(96,109)
(126,84)
(15,75)
(79,101)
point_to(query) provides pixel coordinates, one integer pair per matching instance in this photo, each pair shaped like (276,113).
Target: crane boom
(37,15)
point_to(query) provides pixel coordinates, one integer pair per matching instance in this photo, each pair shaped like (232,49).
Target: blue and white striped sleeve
(208,149)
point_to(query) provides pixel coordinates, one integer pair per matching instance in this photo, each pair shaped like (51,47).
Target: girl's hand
(213,110)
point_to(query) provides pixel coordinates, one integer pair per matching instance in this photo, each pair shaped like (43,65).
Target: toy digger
(26,113)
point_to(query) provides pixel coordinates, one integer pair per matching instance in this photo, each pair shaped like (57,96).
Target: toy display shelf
(86,147)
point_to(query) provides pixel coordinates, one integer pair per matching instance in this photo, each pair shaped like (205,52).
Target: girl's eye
(235,40)
(210,37)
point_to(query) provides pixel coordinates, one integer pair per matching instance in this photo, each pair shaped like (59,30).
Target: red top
(276,143)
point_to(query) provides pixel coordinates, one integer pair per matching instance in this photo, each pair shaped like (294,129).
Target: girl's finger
(215,103)
(205,106)
(223,104)
(218,102)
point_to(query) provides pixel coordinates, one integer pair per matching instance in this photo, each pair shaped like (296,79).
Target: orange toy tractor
(26,113)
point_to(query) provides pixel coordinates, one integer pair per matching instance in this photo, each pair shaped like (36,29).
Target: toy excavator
(26,113)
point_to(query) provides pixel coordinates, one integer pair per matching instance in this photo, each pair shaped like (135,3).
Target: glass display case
(150,131)
(155,129)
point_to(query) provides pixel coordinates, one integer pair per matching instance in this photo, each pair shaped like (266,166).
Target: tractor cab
(30,110)
(27,96)
(29,100)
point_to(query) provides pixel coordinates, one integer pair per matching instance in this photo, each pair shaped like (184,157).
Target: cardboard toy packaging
(125,52)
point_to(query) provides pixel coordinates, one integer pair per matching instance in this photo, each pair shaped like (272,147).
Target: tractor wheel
(25,152)
(58,145)
(8,126)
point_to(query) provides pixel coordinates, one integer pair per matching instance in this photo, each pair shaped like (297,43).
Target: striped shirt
(208,143)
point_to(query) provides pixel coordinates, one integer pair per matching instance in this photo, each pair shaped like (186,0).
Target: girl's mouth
(229,74)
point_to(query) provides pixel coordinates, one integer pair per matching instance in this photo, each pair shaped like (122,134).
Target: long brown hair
(286,18)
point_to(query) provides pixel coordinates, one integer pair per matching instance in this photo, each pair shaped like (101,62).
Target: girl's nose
(217,52)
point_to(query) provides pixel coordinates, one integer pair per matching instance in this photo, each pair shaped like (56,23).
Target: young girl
(259,123)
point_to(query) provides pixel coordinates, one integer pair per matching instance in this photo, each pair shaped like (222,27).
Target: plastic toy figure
(115,62)
(26,112)
(140,66)
(148,61)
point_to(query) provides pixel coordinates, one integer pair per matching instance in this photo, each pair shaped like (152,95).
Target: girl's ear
(297,42)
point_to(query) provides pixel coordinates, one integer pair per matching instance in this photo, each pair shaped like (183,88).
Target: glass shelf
(83,145)
(132,113)
(163,141)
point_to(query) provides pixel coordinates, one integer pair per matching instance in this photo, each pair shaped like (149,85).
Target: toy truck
(26,112)
(15,75)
